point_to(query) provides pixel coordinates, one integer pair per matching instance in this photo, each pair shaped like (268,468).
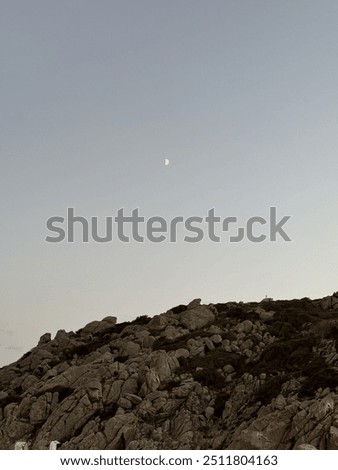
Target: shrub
(326,377)
(210,377)
(270,389)
(141,320)
(220,402)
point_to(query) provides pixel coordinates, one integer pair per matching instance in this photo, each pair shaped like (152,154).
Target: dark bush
(282,329)
(243,312)
(141,320)
(323,378)
(221,308)
(211,364)
(231,335)
(106,412)
(270,389)
(296,316)
(179,309)
(212,360)
(220,402)
(236,312)
(12,398)
(210,377)
(169,386)
(121,358)
(285,355)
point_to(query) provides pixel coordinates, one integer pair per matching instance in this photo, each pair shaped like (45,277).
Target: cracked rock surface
(229,375)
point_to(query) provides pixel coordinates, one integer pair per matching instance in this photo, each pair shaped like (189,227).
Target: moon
(166,161)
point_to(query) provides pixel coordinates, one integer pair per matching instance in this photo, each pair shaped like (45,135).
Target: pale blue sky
(241,96)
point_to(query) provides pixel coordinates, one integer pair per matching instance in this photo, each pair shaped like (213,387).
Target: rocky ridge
(219,376)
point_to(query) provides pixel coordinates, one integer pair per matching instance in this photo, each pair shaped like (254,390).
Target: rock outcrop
(220,376)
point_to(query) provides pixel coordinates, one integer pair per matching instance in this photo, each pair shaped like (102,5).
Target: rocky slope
(219,376)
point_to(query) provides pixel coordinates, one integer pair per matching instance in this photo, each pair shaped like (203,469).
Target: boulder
(129,349)
(197,317)
(158,323)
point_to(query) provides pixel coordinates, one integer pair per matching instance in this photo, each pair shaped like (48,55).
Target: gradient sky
(241,96)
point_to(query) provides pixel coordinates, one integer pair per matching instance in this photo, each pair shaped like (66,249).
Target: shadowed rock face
(223,376)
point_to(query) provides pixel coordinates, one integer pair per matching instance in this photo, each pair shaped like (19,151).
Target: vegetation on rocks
(231,375)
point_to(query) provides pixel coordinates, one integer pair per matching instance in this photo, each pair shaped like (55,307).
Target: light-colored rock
(197,317)
(193,304)
(245,326)
(264,315)
(216,339)
(114,392)
(209,344)
(333,438)
(38,413)
(130,386)
(279,402)
(45,338)
(129,349)
(21,445)
(158,323)
(171,332)
(107,387)
(265,432)
(152,380)
(94,390)
(195,347)
(135,399)
(182,352)
(209,412)
(95,327)
(321,408)
(305,447)
(163,364)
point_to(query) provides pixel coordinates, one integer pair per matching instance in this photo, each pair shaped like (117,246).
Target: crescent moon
(166,162)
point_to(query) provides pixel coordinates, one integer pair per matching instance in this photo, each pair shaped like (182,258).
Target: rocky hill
(218,376)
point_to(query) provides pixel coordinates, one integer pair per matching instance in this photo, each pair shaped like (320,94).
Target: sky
(240,96)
